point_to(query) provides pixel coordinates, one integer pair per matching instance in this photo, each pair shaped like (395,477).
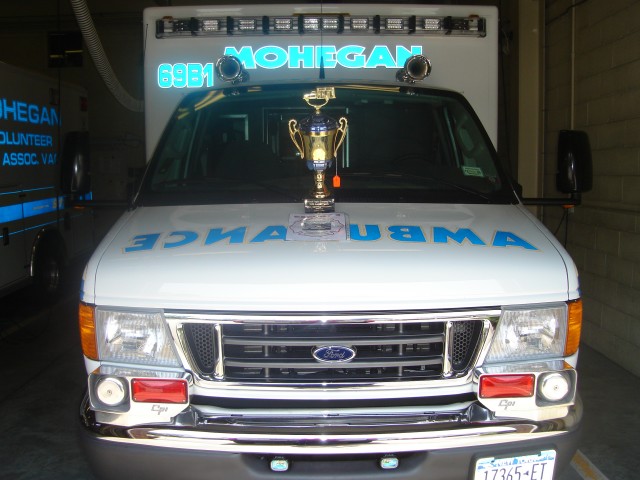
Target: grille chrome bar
(218,373)
(447,369)
(293,364)
(328,340)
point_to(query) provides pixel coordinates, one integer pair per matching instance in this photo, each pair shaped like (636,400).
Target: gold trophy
(318,138)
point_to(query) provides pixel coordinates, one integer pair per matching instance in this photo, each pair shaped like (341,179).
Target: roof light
(166,24)
(245,24)
(311,23)
(210,25)
(471,25)
(176,26)
(330,23)
(432,24)
(394,23)
(359,23)
(281,24)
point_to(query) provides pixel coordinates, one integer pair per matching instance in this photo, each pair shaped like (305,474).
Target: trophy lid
(318,123)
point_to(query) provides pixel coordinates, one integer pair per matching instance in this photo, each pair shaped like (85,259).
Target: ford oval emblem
(334,353)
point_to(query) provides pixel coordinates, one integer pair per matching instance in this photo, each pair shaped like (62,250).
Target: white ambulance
(43,140)
(326,272)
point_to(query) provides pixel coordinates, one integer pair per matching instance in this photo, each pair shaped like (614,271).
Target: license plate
(524,467)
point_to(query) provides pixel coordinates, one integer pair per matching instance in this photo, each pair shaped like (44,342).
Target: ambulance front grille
(382,352)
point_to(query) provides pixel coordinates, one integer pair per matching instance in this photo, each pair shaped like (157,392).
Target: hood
(385,257)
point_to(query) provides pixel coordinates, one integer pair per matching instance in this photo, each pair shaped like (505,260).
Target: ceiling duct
(100,60)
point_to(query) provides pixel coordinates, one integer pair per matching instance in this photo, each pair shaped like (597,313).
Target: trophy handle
(340,136)
(293,130)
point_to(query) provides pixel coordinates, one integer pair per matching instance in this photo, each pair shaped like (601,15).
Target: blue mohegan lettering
(23,112)
(326,56)
(329,56)
(351,56)
(271,57)
(301,56)
(380,57)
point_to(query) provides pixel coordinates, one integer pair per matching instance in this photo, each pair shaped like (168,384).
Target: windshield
(402,145)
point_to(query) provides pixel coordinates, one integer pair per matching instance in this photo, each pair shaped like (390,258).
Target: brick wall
(601,95)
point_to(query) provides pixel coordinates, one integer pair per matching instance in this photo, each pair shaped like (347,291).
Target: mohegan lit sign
(270,57)
(330,56)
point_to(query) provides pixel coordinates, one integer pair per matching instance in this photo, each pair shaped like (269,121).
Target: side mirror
(75,163)
(575,170)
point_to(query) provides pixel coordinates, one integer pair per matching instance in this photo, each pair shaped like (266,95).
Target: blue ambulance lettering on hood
(358,233)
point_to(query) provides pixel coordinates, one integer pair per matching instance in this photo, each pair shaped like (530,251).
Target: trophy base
(314,205)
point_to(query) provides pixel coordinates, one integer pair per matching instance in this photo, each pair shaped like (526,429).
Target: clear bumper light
(111,391)
(529,333)
(134,337)
(554,387)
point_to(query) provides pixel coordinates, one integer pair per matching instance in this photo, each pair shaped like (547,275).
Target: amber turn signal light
(574,327)
(87,324)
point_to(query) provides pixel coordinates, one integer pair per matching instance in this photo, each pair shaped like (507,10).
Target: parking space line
(585,468)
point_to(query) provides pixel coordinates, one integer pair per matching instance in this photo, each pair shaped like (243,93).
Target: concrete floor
(43,379)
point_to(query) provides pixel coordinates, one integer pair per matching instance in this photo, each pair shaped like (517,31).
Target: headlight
(134,337)
(529,333)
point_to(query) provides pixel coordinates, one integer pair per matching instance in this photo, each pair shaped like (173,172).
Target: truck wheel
(47,274)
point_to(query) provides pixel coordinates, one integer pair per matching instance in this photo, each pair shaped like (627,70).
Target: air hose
(100,59)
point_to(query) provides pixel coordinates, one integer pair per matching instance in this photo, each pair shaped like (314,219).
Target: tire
(47,277)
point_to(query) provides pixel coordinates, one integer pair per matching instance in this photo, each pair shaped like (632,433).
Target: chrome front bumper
(362,434)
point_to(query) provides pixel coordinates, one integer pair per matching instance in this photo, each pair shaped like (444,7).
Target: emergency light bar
(342,24)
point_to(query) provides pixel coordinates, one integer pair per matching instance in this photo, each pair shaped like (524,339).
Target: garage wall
(592,77)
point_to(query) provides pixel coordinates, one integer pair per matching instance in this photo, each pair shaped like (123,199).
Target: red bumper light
(159,390)
(507,386)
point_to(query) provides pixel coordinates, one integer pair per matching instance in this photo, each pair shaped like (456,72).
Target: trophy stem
(320,191)
(320,201)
